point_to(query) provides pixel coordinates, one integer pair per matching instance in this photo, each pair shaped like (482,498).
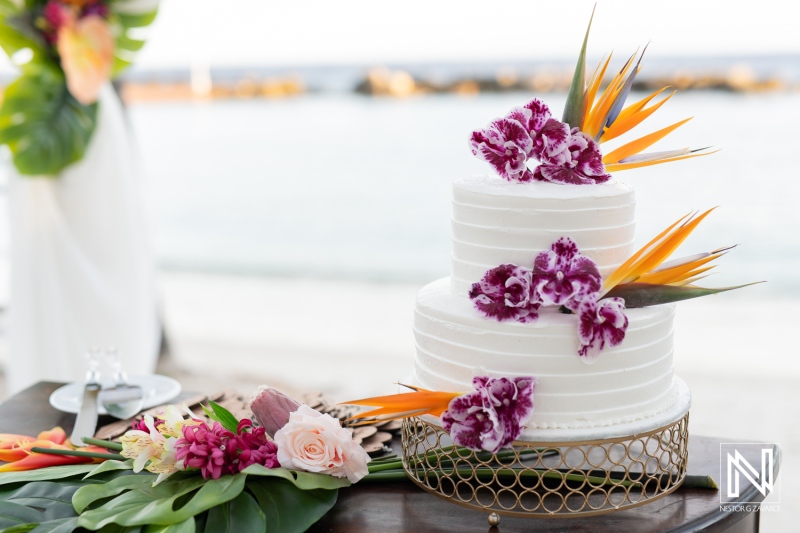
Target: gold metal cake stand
(549,479)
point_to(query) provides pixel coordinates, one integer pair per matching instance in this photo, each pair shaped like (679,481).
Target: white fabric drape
(81,268)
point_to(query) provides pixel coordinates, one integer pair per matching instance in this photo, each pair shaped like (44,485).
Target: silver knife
(86,422)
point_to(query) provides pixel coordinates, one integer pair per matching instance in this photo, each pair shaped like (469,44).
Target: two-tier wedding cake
(496,221)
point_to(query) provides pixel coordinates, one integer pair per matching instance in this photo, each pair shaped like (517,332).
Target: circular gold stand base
(549,479)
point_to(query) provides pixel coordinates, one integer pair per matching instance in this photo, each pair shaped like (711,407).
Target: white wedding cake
(552,325)
(497,221)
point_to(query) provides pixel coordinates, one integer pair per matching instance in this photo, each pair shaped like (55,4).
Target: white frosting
(629,382)
(497,222)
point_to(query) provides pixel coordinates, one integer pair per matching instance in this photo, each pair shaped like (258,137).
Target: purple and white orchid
(566,156)
(505,293)
(533,116)
(601,324)
(561,276)
(493,415)
(505,145)
(576,160)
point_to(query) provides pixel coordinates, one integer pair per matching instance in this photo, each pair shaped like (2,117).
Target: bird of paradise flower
(647,278)
(605,117)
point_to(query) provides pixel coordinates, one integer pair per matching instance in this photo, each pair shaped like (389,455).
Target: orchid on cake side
(563,277)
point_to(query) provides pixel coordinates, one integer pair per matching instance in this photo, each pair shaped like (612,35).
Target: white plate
(157,390)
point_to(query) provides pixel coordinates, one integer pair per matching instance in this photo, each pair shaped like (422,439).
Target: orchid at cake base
(489,418)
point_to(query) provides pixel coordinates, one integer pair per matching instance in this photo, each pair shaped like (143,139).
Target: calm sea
(347,187)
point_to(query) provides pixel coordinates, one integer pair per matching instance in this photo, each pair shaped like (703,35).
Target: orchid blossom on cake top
(568,150)
(566,155)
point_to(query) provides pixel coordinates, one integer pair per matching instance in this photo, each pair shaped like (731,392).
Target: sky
(324,32)
(265,32)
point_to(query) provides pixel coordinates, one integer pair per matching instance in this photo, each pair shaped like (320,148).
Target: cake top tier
(499,222)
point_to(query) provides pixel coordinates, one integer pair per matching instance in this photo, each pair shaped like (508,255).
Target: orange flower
(33,460)
(87,53)
(404,405)
(16,450)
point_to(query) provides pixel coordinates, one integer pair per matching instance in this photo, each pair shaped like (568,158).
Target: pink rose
(315,442)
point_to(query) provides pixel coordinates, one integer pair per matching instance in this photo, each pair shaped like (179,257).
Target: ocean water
(340,186)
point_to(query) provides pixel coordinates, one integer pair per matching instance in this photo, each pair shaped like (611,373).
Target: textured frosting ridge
(496,222)
(628,382)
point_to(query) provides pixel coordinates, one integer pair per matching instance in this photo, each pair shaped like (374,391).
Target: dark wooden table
(401,506)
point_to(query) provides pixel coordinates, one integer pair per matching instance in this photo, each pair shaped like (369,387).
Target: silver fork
(122,400)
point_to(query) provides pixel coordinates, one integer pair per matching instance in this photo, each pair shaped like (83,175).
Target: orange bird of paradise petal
(633,115)
(404,405)
(23,449)
(87,53)
(655,252)
(679,271)
(33,460)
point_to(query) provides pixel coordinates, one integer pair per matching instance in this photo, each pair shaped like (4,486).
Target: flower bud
(271,408)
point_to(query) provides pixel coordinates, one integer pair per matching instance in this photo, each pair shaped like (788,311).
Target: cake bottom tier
(629,382)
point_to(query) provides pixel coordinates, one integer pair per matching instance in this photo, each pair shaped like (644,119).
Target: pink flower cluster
(565,155)
(216,451)
(492,416)
(57,14)
(561,276)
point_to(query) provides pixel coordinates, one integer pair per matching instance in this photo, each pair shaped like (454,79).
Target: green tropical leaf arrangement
(44,125)
(114,498)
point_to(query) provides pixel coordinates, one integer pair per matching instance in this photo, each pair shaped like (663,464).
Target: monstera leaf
(42,123)
(110,497)
(17,31)
(126,22)
(250,501)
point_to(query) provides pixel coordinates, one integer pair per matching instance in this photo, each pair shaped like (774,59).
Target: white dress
(81,269)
